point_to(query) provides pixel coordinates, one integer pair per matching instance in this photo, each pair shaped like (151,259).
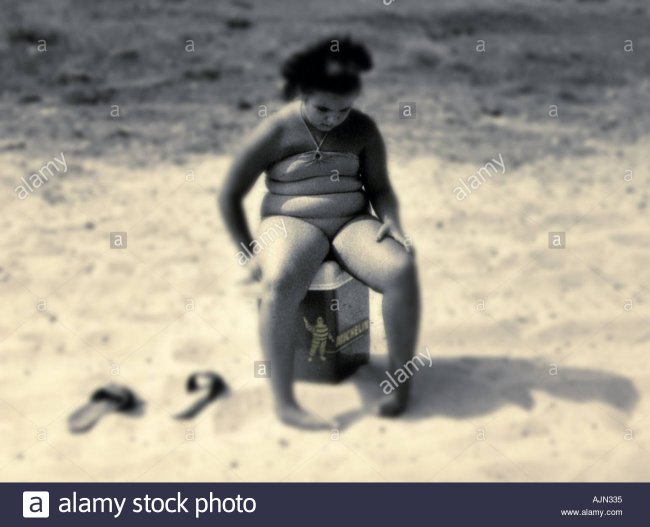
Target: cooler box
(334,335)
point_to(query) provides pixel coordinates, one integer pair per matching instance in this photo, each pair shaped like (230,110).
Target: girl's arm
(374,172)
(250,162)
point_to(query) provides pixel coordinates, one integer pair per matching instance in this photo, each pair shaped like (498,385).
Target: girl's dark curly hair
(332,65)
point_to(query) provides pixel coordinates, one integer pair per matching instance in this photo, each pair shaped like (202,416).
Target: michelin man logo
(320,333)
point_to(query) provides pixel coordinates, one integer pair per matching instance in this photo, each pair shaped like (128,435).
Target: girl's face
(325,110)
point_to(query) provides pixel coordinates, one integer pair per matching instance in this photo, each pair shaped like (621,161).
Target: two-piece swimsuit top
(315,184)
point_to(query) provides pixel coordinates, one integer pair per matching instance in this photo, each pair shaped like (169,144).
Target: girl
(325,164)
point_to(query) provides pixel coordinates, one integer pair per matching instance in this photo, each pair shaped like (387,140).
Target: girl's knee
(402,273)
(283,286)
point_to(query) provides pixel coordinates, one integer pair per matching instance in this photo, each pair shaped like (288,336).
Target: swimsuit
(321,187)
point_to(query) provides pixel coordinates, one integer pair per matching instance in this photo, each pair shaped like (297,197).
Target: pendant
(317,156)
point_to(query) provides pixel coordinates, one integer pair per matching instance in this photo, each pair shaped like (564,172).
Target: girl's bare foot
(293,415)
(393,404)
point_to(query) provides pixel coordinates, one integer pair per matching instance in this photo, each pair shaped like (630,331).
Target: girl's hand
(389,228)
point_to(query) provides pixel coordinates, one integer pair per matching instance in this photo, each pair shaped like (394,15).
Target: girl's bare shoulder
(268,134)
(363,125)
(276,125)
(286,115)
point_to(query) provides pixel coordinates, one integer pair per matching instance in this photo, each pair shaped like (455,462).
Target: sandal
(105,400)
(208,381)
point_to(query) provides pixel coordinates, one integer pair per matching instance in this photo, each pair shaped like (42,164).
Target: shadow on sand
(471,386)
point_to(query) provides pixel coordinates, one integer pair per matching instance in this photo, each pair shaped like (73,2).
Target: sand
(540,365)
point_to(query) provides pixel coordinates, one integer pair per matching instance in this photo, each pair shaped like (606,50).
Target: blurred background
(175,103)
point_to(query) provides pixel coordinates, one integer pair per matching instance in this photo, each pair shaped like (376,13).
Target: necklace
(317,154)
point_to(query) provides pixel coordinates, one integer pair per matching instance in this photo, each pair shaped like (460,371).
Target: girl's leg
(288,265)
(387,268)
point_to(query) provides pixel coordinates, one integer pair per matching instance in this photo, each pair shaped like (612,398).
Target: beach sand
(540,356)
